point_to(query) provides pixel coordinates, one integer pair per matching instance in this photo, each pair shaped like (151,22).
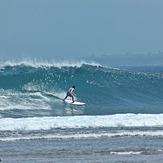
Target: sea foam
(46,123)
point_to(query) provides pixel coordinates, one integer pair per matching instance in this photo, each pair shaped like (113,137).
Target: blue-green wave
(28,90)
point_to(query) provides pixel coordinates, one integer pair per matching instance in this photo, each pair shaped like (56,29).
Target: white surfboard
(74,103)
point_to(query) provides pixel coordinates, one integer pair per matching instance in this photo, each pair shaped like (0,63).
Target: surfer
(70,93)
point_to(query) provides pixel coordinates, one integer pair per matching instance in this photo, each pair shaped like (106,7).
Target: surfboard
(74,103)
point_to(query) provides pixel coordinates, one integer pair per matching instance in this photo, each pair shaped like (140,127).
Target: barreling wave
(31,89)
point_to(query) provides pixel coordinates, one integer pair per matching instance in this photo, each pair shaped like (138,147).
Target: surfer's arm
(74,93)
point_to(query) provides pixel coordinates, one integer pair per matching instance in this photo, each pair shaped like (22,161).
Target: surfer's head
(73,86)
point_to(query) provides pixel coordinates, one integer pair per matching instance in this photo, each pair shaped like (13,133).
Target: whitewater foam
(126,153)
(122,133)
(46,123)
(23,101)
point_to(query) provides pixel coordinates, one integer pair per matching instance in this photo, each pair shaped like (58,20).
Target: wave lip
(37,64)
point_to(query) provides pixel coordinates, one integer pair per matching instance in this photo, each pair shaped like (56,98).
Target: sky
(79,28)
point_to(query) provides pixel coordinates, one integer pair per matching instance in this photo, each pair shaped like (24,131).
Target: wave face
(29,90)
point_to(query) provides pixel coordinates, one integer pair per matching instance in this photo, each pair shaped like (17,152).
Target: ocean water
(121,120)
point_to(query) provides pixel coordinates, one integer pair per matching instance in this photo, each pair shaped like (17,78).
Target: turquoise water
(36,90)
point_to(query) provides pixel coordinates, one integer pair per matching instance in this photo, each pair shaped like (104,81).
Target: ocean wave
(46,123)
(34,86)
(88,136)
(45,64)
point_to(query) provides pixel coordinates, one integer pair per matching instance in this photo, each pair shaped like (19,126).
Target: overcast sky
(68,28)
